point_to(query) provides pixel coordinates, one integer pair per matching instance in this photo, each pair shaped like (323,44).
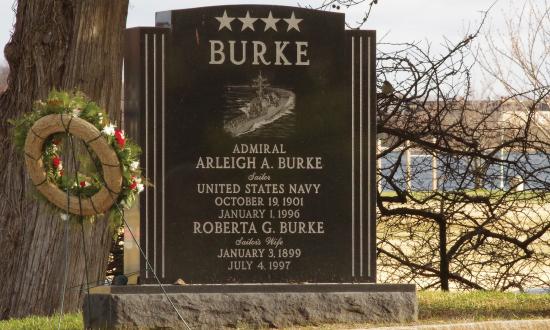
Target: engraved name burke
(218,52)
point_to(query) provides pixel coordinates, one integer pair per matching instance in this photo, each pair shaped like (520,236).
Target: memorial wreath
(106,182)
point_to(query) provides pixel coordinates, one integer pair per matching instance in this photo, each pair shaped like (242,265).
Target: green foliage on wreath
(60,149)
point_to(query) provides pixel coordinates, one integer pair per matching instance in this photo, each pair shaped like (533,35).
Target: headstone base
(257,306)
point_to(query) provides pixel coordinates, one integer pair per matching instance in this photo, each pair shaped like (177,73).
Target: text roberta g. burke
(266,227)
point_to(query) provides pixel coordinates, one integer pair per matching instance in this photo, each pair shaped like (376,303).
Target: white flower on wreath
(76,112)
(64,216)
(109,130)
(134,165)
(138,185)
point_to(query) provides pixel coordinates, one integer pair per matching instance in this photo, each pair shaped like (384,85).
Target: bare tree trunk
(443,257)
(66,45)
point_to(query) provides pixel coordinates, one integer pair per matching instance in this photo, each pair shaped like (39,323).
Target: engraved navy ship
(268,105)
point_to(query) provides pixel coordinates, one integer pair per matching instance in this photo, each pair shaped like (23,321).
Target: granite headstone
(257,125)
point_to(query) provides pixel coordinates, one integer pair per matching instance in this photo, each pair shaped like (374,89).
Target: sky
(399,20)
(395,20)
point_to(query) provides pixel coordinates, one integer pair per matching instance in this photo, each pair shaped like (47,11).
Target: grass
(480,306)
(68,322)
(434,307)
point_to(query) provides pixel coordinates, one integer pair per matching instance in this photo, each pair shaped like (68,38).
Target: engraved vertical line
(369,161)
(352,156)
(361,156)
(155,151)
(146,153)
(163,160)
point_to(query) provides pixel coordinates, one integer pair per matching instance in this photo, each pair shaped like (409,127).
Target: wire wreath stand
(97,204)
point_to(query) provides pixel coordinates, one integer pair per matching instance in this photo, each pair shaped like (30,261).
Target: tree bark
(73,45)
(443,256)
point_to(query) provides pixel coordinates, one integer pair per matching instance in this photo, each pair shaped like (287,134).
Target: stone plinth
(258,306)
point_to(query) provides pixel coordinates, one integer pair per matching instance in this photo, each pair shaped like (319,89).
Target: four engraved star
(225,21)
(270,22)
(248,22)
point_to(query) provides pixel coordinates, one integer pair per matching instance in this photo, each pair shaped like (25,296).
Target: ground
(434,307)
